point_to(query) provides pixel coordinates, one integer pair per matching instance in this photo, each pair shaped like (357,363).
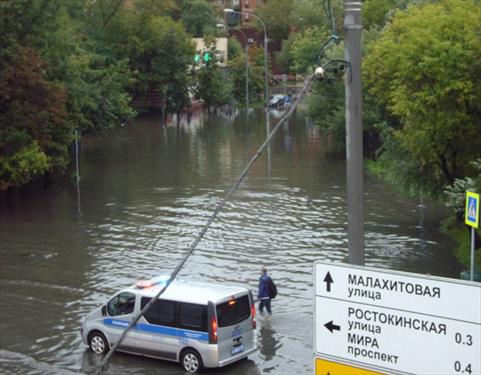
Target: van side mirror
(104,310)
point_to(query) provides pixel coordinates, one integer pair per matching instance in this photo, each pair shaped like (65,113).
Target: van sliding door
(158,329)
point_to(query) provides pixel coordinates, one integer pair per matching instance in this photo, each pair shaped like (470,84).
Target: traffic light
(205,57)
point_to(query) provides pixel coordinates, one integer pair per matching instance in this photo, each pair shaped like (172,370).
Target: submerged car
(276,100)
(197,324)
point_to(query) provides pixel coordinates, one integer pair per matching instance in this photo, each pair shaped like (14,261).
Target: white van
(196,324)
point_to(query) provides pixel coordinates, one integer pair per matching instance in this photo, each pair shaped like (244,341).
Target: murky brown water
(145,192)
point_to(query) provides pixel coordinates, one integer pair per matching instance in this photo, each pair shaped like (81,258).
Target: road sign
(397,322)
(472,209)
(323,367)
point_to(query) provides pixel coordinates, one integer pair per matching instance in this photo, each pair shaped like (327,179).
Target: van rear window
(233,311)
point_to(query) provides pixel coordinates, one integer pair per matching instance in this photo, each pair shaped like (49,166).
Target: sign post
(472,219)
(383,321)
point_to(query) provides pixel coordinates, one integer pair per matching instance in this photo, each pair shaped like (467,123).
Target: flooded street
(145,192)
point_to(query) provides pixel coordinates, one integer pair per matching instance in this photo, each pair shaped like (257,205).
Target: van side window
(122,304)
(193,317)
(162,313)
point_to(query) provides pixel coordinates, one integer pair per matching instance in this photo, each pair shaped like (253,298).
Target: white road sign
(397,322)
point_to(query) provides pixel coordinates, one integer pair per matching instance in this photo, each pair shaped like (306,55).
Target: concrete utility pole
(354,147)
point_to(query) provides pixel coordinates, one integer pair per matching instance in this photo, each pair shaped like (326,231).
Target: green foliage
(306,47)
(26,23)
(213,87)
(76,64)
(97,85)
(326,102)
(374,12)
(276,16)
(22,166)
(431,82)
(34,135)
(234,48)
(312,26)
(307,14)
(462,236)
(456,199)
(237,73)
(157,8)
(199,18)
(396,165)
(284,57)
(456,192)
(159,51)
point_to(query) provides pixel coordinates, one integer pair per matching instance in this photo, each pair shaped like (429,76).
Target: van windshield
(233,311)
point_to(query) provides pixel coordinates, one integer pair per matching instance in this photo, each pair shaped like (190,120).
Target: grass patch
(463,249)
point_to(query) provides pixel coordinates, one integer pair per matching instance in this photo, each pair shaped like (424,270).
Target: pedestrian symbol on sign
(472,209)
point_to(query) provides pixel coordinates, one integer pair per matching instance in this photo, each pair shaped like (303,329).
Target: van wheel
(98,343)
(191,361)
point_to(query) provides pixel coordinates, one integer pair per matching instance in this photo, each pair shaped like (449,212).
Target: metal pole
(354,144)
(266,93)
(77,171)
(247,75)
(472,253)
(76,157)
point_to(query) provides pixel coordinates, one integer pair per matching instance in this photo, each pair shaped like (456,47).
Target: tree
(234,48)
(277,17)
(158,8)
(425,70)
(237,73)
(305,49)
(374,12)
(97,85)
(456,199)
(159,51)
(308,14)
(26,23)
(34,135)
(213,86)
(199,18)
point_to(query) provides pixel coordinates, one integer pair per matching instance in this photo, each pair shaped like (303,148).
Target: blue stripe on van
(161,330)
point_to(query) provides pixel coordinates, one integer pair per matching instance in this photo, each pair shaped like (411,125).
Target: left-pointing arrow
(332,327)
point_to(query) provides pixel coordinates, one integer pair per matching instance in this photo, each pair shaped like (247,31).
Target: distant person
(267,291)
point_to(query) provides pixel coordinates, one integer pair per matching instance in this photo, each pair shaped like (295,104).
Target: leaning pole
(354,134)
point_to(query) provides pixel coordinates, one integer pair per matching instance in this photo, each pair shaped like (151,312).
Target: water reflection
(146,191)
(267,341)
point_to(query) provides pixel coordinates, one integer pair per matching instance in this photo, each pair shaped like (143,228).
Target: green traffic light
(207,57)
(196,58)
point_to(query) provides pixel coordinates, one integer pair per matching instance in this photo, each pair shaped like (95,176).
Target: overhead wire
(211,219)
(333,38)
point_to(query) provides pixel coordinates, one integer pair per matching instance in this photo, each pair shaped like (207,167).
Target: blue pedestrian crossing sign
(472,209)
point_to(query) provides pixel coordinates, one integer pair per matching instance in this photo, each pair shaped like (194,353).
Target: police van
(196,324)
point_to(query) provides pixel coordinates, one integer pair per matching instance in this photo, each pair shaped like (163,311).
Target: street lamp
(266,90)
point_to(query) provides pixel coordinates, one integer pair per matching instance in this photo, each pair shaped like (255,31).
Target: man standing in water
(264,292)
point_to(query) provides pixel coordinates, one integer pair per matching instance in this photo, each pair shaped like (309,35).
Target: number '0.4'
(458,367)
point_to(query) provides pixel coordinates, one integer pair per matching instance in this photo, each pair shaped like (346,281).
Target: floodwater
(145,192)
